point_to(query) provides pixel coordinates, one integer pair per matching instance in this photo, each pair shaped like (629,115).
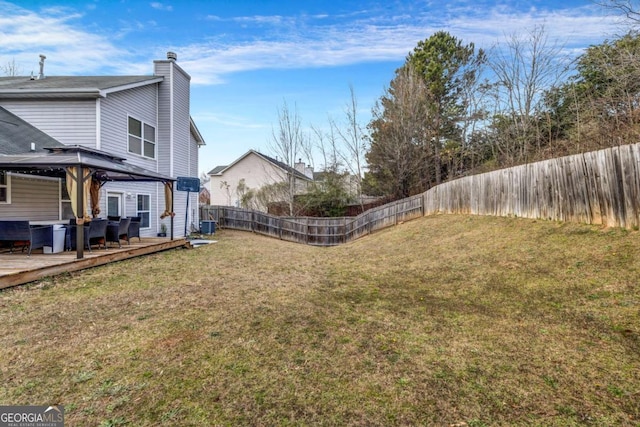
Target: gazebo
(87,169)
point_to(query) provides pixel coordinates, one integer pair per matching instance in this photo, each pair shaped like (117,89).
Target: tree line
(453,110)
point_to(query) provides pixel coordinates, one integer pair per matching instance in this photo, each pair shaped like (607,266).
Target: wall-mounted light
(129,196)
(33,146)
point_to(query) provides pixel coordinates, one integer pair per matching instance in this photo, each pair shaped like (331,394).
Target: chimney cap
(172,56)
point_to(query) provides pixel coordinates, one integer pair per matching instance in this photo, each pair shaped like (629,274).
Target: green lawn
(444,320)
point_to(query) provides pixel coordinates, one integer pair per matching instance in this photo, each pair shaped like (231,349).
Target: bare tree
(288,143)
(524,68)
(629,8)
(11,68)
(327,144)
(353,140)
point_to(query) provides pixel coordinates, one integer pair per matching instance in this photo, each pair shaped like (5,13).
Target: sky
(248,59)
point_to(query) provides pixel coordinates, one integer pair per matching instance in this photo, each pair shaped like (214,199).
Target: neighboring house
(255,170)
(143,119)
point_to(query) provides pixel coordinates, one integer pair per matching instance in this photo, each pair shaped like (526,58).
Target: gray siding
(175,141)
(163,68)
(140,103)
(130,207)
(165,105)
(182,124)
(72,122)
(33,199)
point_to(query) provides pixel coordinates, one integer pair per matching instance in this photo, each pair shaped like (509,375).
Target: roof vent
(41,75)
(172,56)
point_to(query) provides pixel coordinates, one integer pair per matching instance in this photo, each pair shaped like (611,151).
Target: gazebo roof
(104,166)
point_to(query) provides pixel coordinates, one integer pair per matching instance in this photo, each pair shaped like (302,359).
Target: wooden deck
(17,268)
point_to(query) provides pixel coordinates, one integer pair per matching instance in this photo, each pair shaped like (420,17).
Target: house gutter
(51,93)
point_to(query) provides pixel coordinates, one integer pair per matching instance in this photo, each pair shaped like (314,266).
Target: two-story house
(143,119)
(254,171)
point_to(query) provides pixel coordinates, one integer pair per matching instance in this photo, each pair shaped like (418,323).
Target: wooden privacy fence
(313,230)
(600,187)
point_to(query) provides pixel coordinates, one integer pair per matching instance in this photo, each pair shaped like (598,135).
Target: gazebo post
(80,206)
(172,201)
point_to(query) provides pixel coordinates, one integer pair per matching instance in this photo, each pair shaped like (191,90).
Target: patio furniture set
(99,231)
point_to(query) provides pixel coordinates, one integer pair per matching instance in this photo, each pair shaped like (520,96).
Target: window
(65,201)
(144,210)
(5,187)
(142,138)
(114,204)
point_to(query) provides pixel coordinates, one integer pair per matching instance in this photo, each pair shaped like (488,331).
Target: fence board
(600,187)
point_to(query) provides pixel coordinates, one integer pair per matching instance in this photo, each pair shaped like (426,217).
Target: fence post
(345,229)
(395,217)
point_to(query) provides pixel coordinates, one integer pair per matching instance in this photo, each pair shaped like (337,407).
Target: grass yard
(444,320)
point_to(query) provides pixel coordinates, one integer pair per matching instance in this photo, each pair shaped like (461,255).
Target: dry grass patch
(442,320)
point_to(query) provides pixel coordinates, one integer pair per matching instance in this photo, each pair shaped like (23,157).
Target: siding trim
(98,125)
(171,118)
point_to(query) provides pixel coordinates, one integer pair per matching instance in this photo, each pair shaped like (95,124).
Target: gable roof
(71,86)
(16,135)
(219,170)
(196,132)
(79,87)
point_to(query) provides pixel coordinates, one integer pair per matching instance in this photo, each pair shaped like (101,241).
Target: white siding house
(143,119)
(255,170)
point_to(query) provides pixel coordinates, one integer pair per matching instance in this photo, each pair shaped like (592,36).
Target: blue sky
(247,58)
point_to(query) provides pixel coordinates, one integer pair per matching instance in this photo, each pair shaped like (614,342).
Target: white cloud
(161,6)
(288,42)
(56,33)
(388,38)
(259,19)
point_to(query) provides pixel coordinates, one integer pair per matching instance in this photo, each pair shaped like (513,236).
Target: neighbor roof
(16,135)
(219,170)
(71,86)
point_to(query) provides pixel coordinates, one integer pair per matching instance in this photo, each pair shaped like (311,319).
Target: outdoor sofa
(21,233)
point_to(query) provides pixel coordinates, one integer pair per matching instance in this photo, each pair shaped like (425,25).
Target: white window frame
(143,138)
(121,203)
(138,211)
(63,188)
(7,185)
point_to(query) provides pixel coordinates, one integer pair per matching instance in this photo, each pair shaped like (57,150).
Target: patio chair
(117,231)
(96,233)
(134,228)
